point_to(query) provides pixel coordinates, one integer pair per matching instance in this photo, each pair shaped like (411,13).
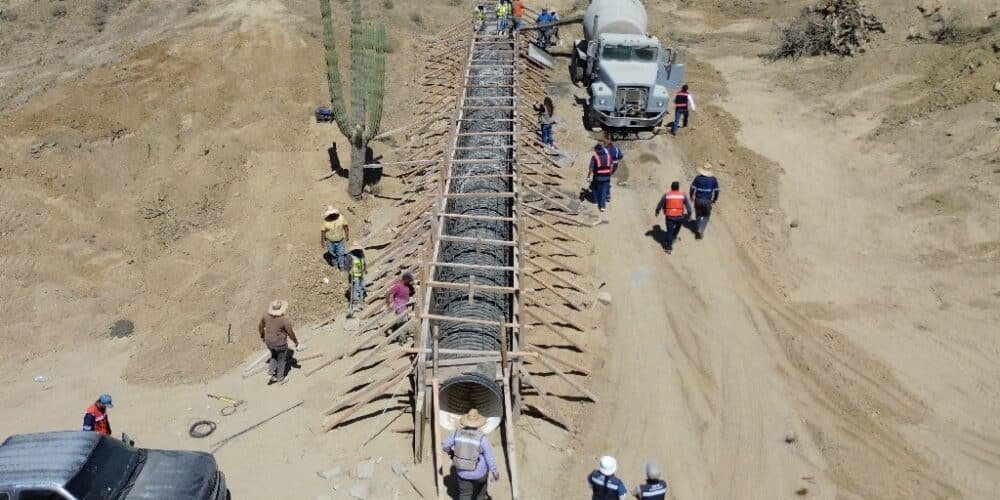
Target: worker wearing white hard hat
(604,483)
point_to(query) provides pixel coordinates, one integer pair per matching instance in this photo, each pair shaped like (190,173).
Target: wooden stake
(555,369)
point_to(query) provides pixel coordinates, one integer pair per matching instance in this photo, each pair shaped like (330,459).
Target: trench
(476,386)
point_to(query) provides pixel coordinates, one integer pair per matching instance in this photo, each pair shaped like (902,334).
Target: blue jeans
(547,134)
(674,225)
(600,190)
(678,113)
(501,24)
(357,294)
(336,251)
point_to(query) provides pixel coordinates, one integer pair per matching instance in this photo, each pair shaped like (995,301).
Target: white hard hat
(608,465)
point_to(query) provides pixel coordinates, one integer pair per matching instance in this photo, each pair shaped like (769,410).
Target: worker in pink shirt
(398,296)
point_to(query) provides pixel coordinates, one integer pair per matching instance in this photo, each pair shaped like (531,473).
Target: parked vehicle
(79,465)
(627,71)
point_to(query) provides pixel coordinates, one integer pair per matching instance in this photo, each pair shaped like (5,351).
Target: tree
(359,120)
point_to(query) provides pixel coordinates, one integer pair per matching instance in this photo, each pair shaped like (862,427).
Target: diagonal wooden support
(556,330)
(386,341)
(371,395)
(553,410)
(565,362)
(576,385)
(562,319)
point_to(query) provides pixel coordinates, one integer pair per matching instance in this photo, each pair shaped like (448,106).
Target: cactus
(360,122)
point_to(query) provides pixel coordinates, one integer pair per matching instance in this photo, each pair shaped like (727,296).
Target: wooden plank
(375,387)
(560,317)
(471,287)
(419,425)
(439,317)
(555,369)
(554,412)
(511,441)
(558,331)
(438,441)
(558,264)
(562,361)
(479,195)
(469,352)
(477,241)
(399,331)
(557,293)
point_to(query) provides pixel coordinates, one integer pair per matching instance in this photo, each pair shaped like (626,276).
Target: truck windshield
(106,472)
(627,53)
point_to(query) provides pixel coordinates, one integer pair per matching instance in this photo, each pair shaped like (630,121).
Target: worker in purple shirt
(472,455)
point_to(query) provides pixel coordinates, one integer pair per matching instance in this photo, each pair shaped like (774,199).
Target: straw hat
(653,470)
(330,210)
(706,170)
(608,465)
(278,308)
(472,419)
(355,246)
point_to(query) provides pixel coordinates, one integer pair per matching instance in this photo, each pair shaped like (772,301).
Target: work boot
(670,251)
(697,235)
(272,380)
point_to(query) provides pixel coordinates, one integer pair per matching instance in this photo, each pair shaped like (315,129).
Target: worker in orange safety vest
(676,207)
(96,417)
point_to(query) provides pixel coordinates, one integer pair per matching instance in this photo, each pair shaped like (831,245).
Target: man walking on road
(603,165)
(333,235)
(677,209)
(603,482)
(472,455)
(654,488)
(683,103)
(705,192)
(275,329)
(96,417)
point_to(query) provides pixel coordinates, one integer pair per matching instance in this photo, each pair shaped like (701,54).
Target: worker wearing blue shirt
(705,192)
(603,482)
(603,164)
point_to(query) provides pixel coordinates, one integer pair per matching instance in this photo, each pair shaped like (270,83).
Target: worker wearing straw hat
(604,483)
(275,329)
(704,192)
(334,235)
(472,456)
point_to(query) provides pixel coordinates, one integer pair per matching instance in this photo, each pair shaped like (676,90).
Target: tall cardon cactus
(361,123)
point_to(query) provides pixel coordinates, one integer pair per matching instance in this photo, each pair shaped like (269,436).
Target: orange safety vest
(518,8)
(101,424)
(603,163)
(674,206)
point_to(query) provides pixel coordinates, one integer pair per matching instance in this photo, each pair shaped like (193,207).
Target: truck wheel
(589,122)
(576,71)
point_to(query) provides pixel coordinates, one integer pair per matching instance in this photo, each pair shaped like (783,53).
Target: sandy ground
(867,330)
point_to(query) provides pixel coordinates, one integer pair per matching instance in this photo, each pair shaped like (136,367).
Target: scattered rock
(790,437)
(122,328)
(996,87)
(802,492)
(365,469)
(604,297)
(794,223)
(359,491)
(928,7)
(331,473)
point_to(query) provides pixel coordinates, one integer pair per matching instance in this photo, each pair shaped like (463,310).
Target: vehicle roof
(47,458)
(632,39)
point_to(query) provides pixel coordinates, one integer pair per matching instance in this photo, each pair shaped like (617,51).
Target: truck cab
(629,78)
(80,465)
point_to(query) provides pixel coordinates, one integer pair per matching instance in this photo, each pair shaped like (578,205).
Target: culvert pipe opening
(471,390)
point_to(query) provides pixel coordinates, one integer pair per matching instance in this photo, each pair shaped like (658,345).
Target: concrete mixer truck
(628,73)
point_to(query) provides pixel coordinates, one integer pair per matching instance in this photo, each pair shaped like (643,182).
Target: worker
(555,29)
(544,33)
(480,18)
(503,12)
(275,329)
(472,456)
(96,417)
(356,275)
(705,192)
(604,483)
(683,103)
(517,11)
(546,121)
(676,208)
(398,296)
(654,488)
(333,235)
(603,165)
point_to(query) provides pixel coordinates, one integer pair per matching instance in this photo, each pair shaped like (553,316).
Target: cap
(653,470)
(106,400)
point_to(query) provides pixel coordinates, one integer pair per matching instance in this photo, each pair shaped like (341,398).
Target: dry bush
(387,4)
(841,27)
(416,18)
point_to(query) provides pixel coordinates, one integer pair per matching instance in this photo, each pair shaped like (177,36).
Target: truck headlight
(659,104)
(602,102)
